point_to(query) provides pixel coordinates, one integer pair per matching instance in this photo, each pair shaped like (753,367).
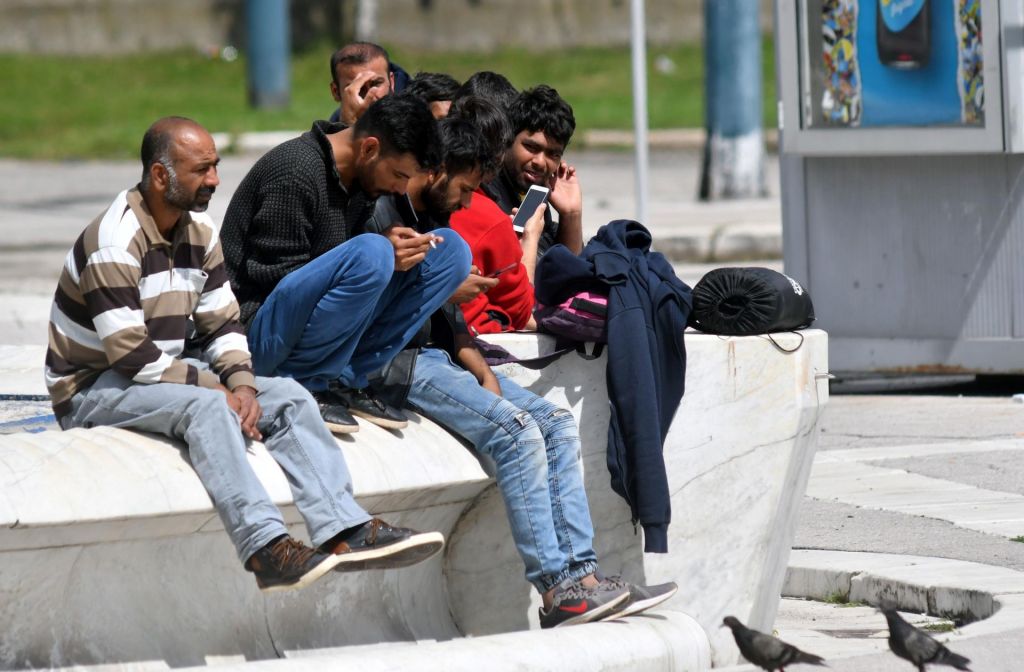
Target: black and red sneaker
(574,603)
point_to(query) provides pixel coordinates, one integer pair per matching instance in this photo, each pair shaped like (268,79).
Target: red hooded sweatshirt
(488,232)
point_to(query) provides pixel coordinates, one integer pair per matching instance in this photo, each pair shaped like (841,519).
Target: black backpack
(748,301)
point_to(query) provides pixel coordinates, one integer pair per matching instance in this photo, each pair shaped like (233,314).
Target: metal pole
(269,53)
(639,50)
(734,147)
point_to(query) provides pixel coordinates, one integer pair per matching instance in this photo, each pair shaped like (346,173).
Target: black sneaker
(574,603)
(335,413)
(288,564)
(377,545)
(642,597)
(366,405)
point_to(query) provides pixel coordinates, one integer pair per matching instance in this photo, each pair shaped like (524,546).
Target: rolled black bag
(747,301)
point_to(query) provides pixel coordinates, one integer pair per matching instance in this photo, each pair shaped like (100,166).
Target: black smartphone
(503,270)
(405,210)
(903,35)
(534,197)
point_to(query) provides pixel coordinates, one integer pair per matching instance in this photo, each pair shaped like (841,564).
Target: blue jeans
(536,448)
(347,313)
(293,433)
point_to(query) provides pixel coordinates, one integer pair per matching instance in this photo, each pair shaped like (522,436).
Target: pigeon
(918,647)
(765,651)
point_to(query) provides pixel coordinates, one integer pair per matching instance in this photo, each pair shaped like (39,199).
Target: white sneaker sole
(595,614)
(341,429)
(329,563)
(640,606)
(405,553)
(380,422)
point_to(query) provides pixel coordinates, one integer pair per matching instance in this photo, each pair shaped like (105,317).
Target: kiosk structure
(902,170)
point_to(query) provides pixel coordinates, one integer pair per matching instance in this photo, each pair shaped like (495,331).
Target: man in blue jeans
(534,444)
(323,302)
(144,335)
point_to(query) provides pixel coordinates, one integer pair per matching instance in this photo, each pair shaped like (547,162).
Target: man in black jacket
(321,303)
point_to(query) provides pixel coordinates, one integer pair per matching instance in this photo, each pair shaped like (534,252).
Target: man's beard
(363,180)
(177,197)
(435,201)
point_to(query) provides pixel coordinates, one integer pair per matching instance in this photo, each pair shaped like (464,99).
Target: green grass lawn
(58,107)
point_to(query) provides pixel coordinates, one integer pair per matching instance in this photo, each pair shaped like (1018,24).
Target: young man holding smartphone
(542,125)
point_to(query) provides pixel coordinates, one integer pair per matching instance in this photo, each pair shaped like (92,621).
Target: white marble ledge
(661,640)
(104,478)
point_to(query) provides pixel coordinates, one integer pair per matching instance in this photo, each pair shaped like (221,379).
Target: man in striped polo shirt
(144,334)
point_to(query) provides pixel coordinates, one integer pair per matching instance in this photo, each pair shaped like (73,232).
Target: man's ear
(335,92)
(158,176)
(369,149)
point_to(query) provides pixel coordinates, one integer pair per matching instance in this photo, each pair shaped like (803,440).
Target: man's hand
(566,195)
(566,198)
(490,383)
(243,402)
(535,224)
(410,247)
(472,287)
(249,412)
(366,89)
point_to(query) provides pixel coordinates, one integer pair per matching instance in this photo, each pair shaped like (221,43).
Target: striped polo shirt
(131,300)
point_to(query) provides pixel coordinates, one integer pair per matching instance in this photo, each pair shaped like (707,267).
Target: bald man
(144,334)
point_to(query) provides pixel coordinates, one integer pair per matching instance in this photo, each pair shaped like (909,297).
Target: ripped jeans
(535,447)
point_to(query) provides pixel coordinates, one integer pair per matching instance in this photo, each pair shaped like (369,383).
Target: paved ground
(927,473)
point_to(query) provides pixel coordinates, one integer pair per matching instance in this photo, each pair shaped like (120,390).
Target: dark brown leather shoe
(377,545)
(287,564)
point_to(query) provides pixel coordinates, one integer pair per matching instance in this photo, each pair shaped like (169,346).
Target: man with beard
(143,288)
(535,445)
(361,74)
(321,303)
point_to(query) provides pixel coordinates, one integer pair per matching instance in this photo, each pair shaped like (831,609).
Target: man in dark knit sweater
(321,303)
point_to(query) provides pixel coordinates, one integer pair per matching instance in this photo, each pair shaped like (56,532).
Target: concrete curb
(990,598)
(936,586)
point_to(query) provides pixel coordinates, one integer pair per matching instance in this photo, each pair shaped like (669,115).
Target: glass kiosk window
(884,63)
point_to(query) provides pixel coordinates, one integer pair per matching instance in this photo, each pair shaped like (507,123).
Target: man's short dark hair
(157,143)
(463,146)
(403,125)
(356,53)
(542,109)
(493,124)
(489,86)
(432,87)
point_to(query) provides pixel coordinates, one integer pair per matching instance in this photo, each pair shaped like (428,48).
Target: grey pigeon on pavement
(767,652)
(918,647)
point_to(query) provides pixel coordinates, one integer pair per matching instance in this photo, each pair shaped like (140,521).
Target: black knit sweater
(288,210)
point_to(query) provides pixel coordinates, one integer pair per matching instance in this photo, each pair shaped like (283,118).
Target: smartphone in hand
(502,270)
(408,213)
(534,197)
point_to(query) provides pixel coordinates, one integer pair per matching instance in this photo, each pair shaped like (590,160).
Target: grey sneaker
(573,603)
(643,597)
